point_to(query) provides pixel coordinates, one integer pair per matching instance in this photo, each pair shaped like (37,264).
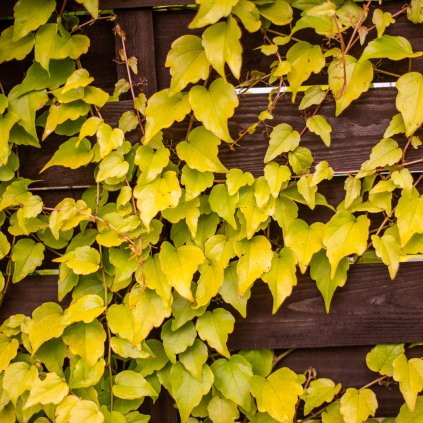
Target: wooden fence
(370,309)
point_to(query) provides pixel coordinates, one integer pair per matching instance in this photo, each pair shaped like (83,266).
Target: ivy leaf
(276,175)
(200,151)
(388,250)
(29,15)
(176,341)
(51,390)
(415,11)
(382,20)
(209,282)
(131,385)
(91,6)
(344,235)
(52,354)
(162,110)
(27,256)
(210,11)
(195,182)
(108,139)
(281,277)
(160,194)
(214,106)
(248,14)
(82,260)
(320,391)
(187,62)
(4,245)
(409,101)
(233,379)
(409,214)
(390,47)
(381,357)
(155,279)
(319,126)
(72,154)
(409,374)
(332,413)
(236,179)
(304,241)
(357,406)
(10,49)
(278,394)
(194,358)
(278,12)
(321,172)
(186,390)
(8,350)
(407,416)
(84,309)
(221,44)
(224,204)
(221,410)
(359,75)
(283,138)
(179,266)
(19,378)
(313,95)
(305,59)
(385,153)
(214,328)
(255,258)
(151,162)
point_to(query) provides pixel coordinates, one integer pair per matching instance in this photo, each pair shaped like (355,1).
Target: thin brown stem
(374,382)
(316,110)
(358,25)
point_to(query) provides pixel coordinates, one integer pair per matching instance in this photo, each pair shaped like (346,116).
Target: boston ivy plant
(163,240)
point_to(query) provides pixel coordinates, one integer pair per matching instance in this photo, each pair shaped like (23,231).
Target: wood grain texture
(138,26)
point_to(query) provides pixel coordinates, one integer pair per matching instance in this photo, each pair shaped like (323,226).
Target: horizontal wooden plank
(370,309)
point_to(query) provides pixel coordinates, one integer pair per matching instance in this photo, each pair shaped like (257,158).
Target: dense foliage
(161,242)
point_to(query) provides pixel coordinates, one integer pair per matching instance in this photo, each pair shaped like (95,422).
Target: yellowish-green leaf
(27,255)
(278,12)
(92,8)
(177,341)
(382,20)
(320,391)
(131,385)
(224,204)
(194,358)
(236,179)
(109,139)
(195,182)
(281,277)
(249,15)
(151,162)
(10,49)
(19,378)
(415,11)
(409,101)
(214,328)
(396,126)
(82,260)
(221,44)
(319,126)
(406,415)
(51,390)
(389,47)
(358,405)
(343,235)
(381,357)
(210,11)
(385,153)
(283,138)
(209,282)
(85,309)
(313,95)
(332,413)
(214,106)
(8,350)
(388,250)
(276,176)
(221,410)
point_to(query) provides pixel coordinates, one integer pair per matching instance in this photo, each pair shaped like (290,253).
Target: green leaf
(72,154)
(319,126)
(29,15)
(249,15)
(321,172)
(357,406)
(388,249)
(82,260)
(194,357)
(233,379)
(160,194)
(260,360)
(409,214)
(382,20)
(221,410)
(281,277)
(209,282)
(10,49)
(409,101)
(214,106)
(407,416)
(283,138)
(409,374)
(200,151)
(8,351)
(278,394)
(381,357)
(332,413)
(186,390)
(304,241)
(83,376)
(47,323)
(276,176)
(214,328)
(155,279)
(179,266)
(187,62)
(415,11)
(195,182)
(51,390)
(4,246)
(221,44)
(385,153)
(359,75)
(255,258)
(305,59)
(52,354)
(84,309)
(210,11)
(320,391)
(236,179)
(130,385)
(91,6)
(313,95)
(390,47)
(177,341)
(112,166)
(27,256)
(19,378)
(224,204)
(109,139)
(344,235)
(162,110)
(278,12)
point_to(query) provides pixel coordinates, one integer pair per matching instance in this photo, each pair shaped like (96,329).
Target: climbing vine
(160,254)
